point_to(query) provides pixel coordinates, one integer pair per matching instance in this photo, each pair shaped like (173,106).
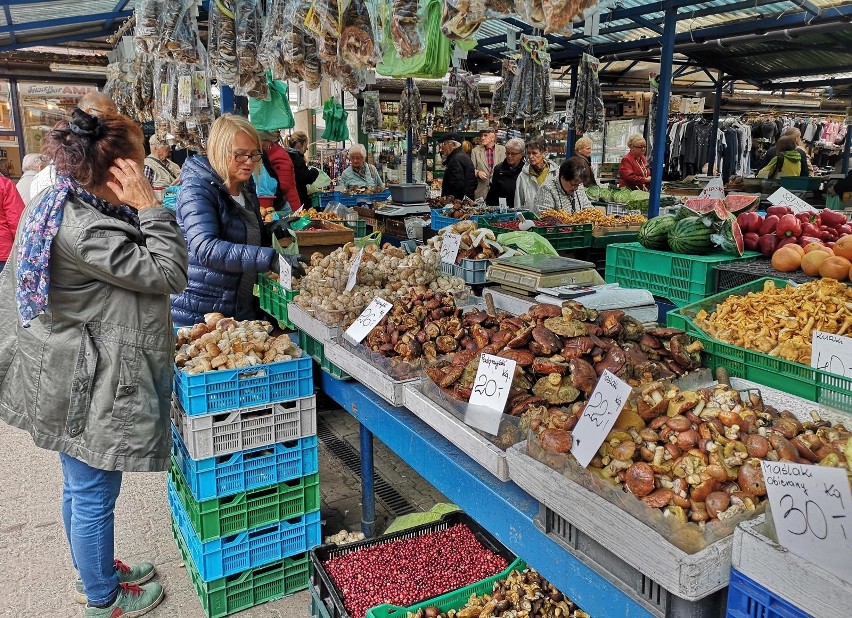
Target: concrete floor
(35,566)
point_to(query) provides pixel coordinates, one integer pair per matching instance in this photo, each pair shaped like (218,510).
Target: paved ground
(35,568)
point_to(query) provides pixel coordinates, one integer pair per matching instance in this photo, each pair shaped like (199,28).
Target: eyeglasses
(241,157)
(644,147)
(509,153)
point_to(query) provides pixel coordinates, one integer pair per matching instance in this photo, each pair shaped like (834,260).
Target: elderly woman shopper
(360,173)
(566,191)
(279,165)
(583,149)
(305,175)
(535,173)
(160,171)
(88,346)
(219,214)
(633,171)
(504,177)
(31,165)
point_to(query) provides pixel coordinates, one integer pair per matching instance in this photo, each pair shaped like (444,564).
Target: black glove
(281,227)
(296,266)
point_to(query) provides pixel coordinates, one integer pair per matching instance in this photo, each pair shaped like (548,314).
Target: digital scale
(527,273)
(401,210)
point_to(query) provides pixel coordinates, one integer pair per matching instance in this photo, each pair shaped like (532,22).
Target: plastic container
(353,199)
(316,350)
(472,271)
(682,279)
(274,299)
(730,276)
(246,550)
(408,193)
(318,608)
(330,594)
(234,593)
(219,517)
(561,236)
(232,389)
(213,435)
(798,379)
(606,240)
(217,477)
(747,599)
(801,183)
(440,220)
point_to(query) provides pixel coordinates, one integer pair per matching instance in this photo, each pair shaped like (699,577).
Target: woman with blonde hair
(633,172)
(219,213)
(583,150)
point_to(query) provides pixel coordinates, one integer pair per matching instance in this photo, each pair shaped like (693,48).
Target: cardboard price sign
(353,271)
(715,189)
(490,392)
(450,244)
(831,353)
(285,272)
(783,197)
(812,512)
(599,415)
(367,321)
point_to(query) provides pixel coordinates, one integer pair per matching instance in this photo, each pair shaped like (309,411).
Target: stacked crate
(243,486)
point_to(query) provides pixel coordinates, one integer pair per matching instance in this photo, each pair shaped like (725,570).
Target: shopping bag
(265,185)
(273,113)
(370,239)
(529,242)
(322,181)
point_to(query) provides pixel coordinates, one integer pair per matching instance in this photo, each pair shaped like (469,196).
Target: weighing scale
(401,210)
(528,273)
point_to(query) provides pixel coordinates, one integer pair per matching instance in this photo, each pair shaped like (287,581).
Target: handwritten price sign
(783,197)
(490,392)
(599,416)
(368,320)
(812,511)
(353,272)
(285,272)
(831,353)
(450,244)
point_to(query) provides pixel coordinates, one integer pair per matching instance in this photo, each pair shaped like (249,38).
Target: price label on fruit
(450,244)
(599,415)
(812,512)
(353,271)
(782,197)
(368,319)
(831,353)
(285,272)
(504,206)
(490,392)
(715,190)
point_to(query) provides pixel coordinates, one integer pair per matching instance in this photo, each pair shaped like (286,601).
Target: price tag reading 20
(368,320)
(599,415)
(492,383)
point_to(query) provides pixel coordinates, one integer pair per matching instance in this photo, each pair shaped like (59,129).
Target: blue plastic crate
(226,475)
(439,221)
(748,599)
(351,200)
(218,391)
(246,550)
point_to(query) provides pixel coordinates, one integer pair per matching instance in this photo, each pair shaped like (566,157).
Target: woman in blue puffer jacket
(219,213)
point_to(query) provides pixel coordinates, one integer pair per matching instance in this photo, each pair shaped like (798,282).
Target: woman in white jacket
(535,174)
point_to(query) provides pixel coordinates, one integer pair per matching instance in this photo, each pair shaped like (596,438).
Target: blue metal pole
(714,126)
(663,95)
(368,492)
(226,99)
(409,148)
(569,145)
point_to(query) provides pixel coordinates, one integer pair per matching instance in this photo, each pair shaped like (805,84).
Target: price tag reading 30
(353,271)
(450,244)
(599,416)
(812,511)
(490,392)
(831,353)
(367,321)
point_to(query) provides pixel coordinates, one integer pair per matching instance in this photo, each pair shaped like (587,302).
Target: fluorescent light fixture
(78,69)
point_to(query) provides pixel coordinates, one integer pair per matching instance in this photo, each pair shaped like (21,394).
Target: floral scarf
(39,229)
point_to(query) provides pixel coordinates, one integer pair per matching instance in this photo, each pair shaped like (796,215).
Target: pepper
(804,241)
(789,225)
(833,218)
(809,217)
(742,221)
(784,241)
(844,229)
(778,210)
(769,224)
(767,244)
(751,241)
(754,222)
(810,229)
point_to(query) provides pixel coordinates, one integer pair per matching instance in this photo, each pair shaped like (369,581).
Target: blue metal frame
(663,95)
(714,126)
(502,508)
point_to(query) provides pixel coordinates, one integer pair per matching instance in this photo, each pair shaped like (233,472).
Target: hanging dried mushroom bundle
(222,42)
(406,30)
(461,99)
(502,89)
(147,25)
(249,25)
(530,97)
(558,14)
(371,116)
(178,34)
(587,112)
(411,108)
(357,44)
(275,38)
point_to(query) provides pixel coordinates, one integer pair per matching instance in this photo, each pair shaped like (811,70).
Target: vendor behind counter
(360,173)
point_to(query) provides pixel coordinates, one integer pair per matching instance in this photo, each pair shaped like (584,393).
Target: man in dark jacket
(459,173)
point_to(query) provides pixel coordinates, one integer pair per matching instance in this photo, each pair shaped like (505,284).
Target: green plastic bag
(370,239)
(412,520)
(832,202)
(529,242)
(336,129)
(433,61)
(273,113)
(320,183)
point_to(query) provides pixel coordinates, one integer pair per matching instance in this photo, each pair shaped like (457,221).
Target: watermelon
(730,237)
(740,202)
(691,236)
(683,212)
(654,232)
(703,206)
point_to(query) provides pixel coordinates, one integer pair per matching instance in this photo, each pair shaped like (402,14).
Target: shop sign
(48,89)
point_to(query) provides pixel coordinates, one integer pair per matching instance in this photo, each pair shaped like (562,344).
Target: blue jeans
(88,504)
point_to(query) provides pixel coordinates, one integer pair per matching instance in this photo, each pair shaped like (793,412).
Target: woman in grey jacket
(86,356)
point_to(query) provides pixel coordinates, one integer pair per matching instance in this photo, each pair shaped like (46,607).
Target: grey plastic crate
(632,582)
(223,433)
(471,271)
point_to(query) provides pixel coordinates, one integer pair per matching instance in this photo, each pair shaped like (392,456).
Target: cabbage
(622,195)
(593,192)
(606,194)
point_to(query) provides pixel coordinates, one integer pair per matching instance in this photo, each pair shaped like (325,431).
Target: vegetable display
(476,244)
(594,216)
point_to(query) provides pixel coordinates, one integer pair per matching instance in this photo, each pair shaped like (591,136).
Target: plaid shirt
(489,158)
(149,174)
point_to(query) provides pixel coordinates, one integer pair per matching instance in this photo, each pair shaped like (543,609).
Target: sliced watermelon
(730,237)
(703,206)
(741,201)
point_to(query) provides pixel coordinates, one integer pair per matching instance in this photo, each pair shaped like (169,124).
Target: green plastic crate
(451,600)
(274,299)
(229,595)
(561,237)
(794,378)
(683,279)
(359,227)
(219,517)
(599,242)
(316,350)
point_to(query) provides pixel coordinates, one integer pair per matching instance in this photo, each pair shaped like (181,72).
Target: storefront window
(43,105)
(7,121)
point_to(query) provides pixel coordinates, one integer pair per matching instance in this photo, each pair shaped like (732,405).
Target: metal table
(502,508)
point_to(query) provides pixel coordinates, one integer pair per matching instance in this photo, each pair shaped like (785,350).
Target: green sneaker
(131,601)
(133,575)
